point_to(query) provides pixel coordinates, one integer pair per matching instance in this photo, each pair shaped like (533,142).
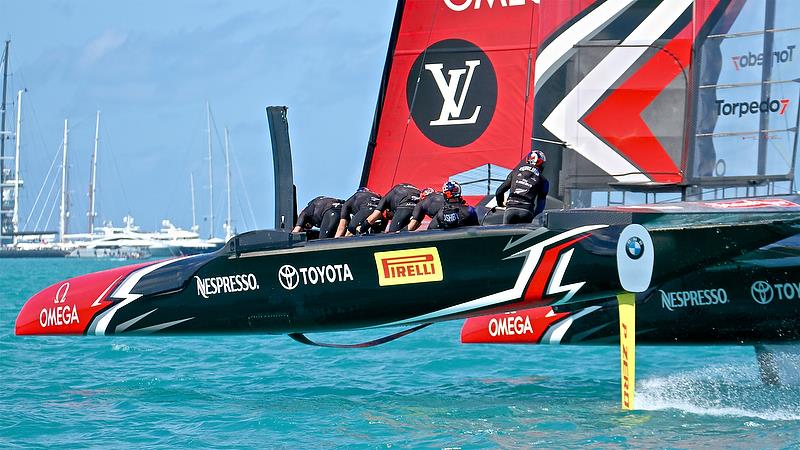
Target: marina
(127,242)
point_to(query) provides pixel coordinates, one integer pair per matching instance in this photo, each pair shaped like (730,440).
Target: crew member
(430,202)
(322,212)
(400,201)
(355,212)
(454,212)
(528,188)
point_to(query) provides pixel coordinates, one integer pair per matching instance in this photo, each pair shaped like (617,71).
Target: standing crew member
(454,212)
(322,212)
(430,202)
(401,201)
(356,210)
(528,187)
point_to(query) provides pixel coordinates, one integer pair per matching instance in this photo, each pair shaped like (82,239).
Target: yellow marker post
(627,347)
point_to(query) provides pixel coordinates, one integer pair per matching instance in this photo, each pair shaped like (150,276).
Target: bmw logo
(634,247)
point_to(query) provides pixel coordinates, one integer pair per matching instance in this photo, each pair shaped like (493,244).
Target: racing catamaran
(670,104)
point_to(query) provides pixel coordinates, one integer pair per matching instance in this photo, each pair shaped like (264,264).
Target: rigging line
(794,146)
(530,73)
(52,209)
(44,183)
(220,143)
(242,218)
(414,96)
(242,214)
(218,212)
(244,189)
(116,168)
(46,201)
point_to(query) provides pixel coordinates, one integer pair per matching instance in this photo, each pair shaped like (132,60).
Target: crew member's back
(400,200)
(528,190)
(322,212)
(355,211)
(430,202)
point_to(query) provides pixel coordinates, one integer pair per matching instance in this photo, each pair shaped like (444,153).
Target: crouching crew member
(322,212)
(430,202)
(454,212)
(528,188)
(400,201)
(355,212)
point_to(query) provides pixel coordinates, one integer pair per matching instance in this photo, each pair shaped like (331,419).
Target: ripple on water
(426,390)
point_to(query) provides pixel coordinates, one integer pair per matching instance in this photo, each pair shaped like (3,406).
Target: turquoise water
(425,390)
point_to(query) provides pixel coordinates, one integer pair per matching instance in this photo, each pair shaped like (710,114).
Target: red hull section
(518,327)
(69,306)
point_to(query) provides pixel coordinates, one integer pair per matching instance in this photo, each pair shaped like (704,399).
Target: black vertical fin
(285,195)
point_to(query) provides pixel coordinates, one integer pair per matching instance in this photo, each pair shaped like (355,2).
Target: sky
(151,66)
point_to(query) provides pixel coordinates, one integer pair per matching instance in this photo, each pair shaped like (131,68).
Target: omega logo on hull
(59,315)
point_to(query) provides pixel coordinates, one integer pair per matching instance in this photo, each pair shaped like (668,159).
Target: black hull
(749,301)
(272,282)
(753,299)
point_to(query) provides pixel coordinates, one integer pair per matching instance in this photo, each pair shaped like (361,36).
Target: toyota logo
(762,292)
(634,248)
(288,277)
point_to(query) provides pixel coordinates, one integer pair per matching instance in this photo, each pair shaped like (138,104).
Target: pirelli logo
(420,265)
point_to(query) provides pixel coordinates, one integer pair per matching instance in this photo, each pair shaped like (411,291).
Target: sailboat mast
(3,134)
(3,111)
(15,216)
(210,174)
(62,225)
(194,217)
(93,180)
(228,224)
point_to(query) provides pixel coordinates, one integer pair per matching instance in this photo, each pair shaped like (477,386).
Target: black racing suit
(528,194)
(357,208)
(429,206)
(322,212)
(454,214)
(401,200)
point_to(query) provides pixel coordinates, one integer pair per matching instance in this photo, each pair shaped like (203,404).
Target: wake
(725,390)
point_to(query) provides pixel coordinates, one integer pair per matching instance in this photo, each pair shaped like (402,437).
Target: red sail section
(458,92)
(618,119)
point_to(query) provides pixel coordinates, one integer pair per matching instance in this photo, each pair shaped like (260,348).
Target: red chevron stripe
(617,119)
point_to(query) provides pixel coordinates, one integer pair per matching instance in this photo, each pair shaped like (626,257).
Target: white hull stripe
(557,331)
(159,327)
(555,287)
(534,254)
(127,324)
(100,324)
(100,297)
